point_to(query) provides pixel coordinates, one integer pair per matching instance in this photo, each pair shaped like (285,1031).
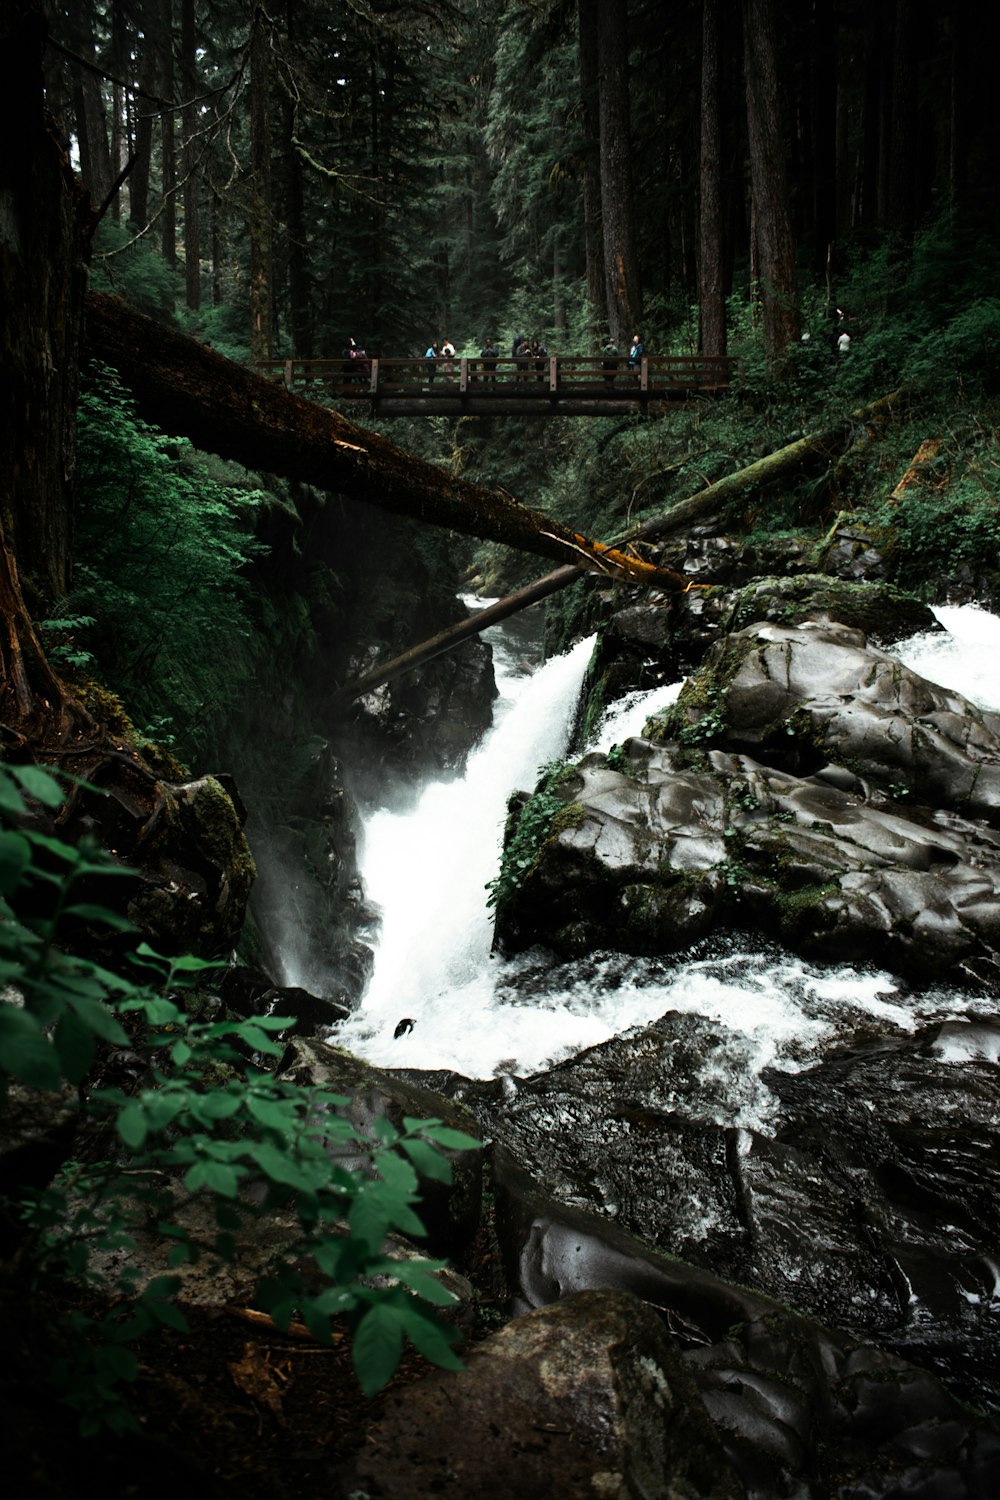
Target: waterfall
(481,1015)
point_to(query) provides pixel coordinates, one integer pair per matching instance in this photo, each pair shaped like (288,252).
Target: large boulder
(863,1190)
(805,783)
(450,1211)
(800,1411)
(642,852)
(586,1398)
(804,696)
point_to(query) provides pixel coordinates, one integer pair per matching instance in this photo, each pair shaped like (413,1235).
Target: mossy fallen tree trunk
(775,466)
(189,389)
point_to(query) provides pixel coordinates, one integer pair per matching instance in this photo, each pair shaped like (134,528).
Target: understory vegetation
(204,1144)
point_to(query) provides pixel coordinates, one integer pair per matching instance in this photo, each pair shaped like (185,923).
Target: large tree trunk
(192,219)
(260,189)
(168,146)
(591,177)
(773,225)
(189,389)
(710,236)
(45,217)
(621,264)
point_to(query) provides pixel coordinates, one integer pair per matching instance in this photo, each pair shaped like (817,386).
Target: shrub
(207,1118)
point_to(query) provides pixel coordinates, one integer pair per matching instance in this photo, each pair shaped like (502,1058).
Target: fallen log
(189,389)
(454,635)
(774,466)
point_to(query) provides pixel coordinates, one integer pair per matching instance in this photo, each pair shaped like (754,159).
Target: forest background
(754,179)
(758,178)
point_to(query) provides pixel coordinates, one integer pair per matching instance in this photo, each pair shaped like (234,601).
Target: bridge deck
(556,385)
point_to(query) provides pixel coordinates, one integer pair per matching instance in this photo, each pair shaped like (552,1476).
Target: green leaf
(452,1140)
(433,1339)
(216,1176)
(418,1276)
(74,1042)
(15,857)
(40,784)
(25,1051)
(114,1362)
(397,1174)
(376,1347)
(88,911)
(11,801)
(95,1015)
(215,1105)
(259,1040)
(369,1221)
(132,1125)
(277,1114)
(428,1161)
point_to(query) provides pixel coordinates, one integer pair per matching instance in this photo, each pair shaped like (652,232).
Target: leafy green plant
(207,1121)
(527,832)
(163,539)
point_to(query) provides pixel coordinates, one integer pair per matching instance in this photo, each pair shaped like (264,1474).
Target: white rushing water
(427,871)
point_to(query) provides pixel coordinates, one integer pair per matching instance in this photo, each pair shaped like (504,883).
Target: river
(427,871)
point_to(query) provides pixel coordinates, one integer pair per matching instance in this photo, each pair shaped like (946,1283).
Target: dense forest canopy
(397,172)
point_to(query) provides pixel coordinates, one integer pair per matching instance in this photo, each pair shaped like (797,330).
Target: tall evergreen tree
(775,246)
(621,266)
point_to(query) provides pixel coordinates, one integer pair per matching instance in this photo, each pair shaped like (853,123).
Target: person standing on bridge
(430,362)
(489,354)
(447,356)
(635,353)
(609,360)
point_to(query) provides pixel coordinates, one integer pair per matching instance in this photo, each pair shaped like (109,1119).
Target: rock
(449,1211)
(800,697)
(776,793)
(310,917)
(587,1398)
(247,992)
(195,871)
(799,1410)
(651,857)
(650,643)
(37,1131)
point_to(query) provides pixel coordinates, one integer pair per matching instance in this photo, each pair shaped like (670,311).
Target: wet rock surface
(450,1210)
(805,782)
(588,1397)
(800,1410)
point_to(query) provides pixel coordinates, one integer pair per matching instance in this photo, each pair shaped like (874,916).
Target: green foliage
(129,267)
(527,831)
(162,548)
(204,1122)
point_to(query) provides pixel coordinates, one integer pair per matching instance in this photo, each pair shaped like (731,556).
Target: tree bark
(189,156)
(189,389)
(710,236)
(621,265)
(260,190)
(168,149)
(591,177)
(45,217)
(775,241)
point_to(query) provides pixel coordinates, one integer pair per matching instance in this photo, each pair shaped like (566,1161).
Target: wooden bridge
(551,386)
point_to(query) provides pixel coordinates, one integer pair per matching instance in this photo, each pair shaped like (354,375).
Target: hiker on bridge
(635,353)
(489,354)
(609,360)
(430,361)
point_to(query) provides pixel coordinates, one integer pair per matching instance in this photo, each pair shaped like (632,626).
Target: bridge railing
(524,378)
